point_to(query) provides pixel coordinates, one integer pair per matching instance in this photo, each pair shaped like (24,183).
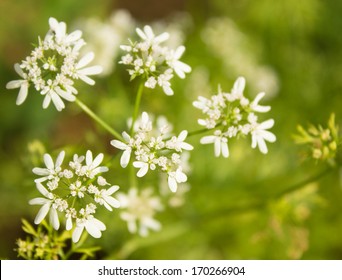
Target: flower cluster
(155,149)
(75,192)
(53,66)
(323,141)
(156,63)
(138,210)
(232,115)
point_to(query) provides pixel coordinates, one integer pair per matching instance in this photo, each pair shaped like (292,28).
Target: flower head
(53,66)
(75,191)
(153,61)
(234,115)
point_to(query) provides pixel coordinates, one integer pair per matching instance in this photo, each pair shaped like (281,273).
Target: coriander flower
(53,66)
(260,134)
(76,191)
(234,115)
(87,221)
(175,178)
(220,143)
(127,148)
(104,197)
(138,211)
(92,165)
(52,169)
(153,61)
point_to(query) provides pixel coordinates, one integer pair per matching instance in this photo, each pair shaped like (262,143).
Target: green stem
(136,106)
(96,118)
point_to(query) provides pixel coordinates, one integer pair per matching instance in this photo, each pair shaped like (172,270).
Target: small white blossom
(92,165)
(260,134)
(176,177)
(138,211)
(220,143)
(52,169)
(126,147)
(92,225)
(104,198)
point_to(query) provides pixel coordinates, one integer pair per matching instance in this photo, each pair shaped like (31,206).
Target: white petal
(239,85)
(92,70)
(39,201)
(46,101)
(208,139)
(89,158)
(112,190)
(262,145)
(125,158)
(42,213)
(14,84)
(141,33)
(112,202)
(48,161)
(118,144)
(41,171)
(54,218)
(18,69)
(217,146)
(87,80)
(74,36)
(68,225)
(77,233)
(22,93)
(181,177)
(162,37)
(168,90)
(179,52)
(269,136)
(42,190)
(224,149)
(60,158)
(172,183)
(66,95)
(85,60)
(57,101)
(266,124)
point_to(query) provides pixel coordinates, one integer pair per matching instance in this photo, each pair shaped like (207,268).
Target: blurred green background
(290,49)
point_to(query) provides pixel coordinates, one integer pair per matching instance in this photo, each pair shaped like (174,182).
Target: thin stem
(96,118)
(136,106)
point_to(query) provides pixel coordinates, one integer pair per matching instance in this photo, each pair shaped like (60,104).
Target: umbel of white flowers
(153,61)
(154,149)
(232,115)
(74,192)
(53,66)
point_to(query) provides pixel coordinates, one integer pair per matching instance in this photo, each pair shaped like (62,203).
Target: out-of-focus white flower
(138,210)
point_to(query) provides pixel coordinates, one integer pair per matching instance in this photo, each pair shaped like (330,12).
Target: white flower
(220,143)
(53,66)
(92,165)
(92,225)
(143,167)
(163,81)
(176,177)
(177,143)
(138,211)
(127,148)
(104,198)
(179,67)
(52,169)
(260,134)
(47,205)
(22,84)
